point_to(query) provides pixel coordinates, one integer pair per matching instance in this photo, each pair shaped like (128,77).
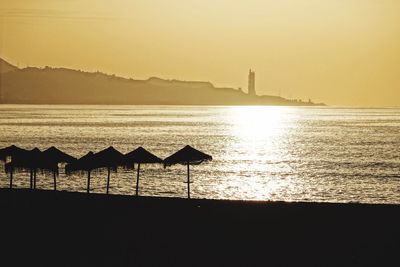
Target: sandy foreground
(46,228)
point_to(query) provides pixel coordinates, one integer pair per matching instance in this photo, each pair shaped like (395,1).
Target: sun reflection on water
(260,133)
(254,123)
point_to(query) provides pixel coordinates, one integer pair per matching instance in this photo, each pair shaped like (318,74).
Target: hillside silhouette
(6,67)
(32,85)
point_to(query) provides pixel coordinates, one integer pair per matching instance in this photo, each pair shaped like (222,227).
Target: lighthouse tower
(251,90)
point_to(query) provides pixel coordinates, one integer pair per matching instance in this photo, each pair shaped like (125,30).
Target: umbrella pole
(88,182)
(34,179)
(108,180)
(11,178)
(188,180)
(55,181)
(137,180)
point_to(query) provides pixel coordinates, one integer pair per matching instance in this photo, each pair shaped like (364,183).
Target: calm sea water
(260,153)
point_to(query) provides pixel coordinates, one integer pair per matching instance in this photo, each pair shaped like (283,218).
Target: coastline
(94,88)
(50,228)
(163,104)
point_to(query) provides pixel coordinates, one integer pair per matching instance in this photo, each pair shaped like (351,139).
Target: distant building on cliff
(251,89)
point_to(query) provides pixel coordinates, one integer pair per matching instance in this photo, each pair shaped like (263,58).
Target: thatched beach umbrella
(140,156)
(10,152)
(28,160)
(54,156)
(83,164)
(186,156)
(109,158)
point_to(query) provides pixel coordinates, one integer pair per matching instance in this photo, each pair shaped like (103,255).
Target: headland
(48,85)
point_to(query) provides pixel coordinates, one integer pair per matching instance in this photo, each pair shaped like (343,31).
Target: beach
(46,228)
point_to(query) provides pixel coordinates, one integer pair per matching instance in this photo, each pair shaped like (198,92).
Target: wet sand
(45,228)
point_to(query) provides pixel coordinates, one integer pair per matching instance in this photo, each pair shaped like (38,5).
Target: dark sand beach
(45,228)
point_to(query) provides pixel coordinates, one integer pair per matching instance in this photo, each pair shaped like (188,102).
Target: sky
(341,52)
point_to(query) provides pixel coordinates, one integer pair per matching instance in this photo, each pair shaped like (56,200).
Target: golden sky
(342,52)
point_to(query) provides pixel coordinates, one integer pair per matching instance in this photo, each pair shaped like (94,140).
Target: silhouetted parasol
(29,160)
(109,158)
(58,156)
(54,156)
(83,164)
(140,156)
(186,156)
(10,152)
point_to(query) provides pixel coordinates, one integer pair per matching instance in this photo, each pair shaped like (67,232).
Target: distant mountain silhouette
(6,67)
(48,85)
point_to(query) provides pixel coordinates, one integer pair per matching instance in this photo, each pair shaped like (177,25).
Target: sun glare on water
(260,134)
(254,123)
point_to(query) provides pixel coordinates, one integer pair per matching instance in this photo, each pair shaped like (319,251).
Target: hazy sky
(342,52)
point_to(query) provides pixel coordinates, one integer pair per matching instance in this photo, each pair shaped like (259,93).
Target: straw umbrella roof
(31,159)
(86,157)
(108,158)
(27,159)
(141,155)
(187,155)
(56,155)
(82,164)
(10,151)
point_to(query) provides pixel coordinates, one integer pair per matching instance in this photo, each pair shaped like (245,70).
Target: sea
(312,154)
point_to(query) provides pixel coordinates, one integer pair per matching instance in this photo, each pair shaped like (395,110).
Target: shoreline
(162,104)
(79,229)
(193,200)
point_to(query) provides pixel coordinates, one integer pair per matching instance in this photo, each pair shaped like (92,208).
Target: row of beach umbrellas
(17,159)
